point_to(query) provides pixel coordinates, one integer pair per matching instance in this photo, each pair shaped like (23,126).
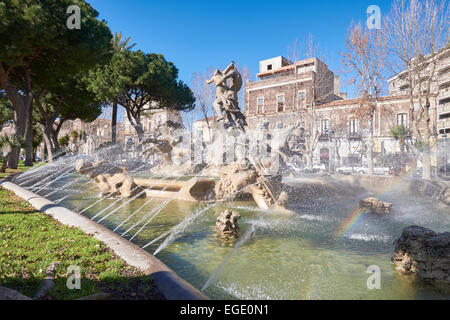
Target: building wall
(331,110)
(152,121)
(398,85)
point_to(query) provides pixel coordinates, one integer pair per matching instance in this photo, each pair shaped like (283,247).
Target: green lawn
(20,168)
(30,241)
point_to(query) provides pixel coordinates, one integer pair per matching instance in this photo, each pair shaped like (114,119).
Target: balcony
(443,124)
(354,136)
(444,93)
(324,137)
(443,108)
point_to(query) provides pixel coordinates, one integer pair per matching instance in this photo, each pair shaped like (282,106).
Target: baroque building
(307,93)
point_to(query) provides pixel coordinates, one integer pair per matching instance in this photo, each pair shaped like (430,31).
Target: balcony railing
(354,136)
(324,137)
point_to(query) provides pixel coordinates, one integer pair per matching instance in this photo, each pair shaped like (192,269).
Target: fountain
(300,235)
(168,142)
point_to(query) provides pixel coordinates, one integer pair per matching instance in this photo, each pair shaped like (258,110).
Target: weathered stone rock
(227,223)
(98,168)
(376,206)
(111,180)
(423,252)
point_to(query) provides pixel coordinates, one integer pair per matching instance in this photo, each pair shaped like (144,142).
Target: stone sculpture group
(228,84)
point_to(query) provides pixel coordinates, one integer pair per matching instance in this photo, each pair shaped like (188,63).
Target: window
(353,126)
(444,116)
(402,119)
(280,102)
(199,133)
(280,125)
(325,126)
(260,105)
(301,96)
(269,67)
(404,87)
(444,101)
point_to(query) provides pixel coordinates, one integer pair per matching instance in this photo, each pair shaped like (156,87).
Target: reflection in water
(308,255)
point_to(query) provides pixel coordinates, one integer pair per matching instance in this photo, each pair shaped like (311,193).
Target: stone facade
(398,85)
(152,121)
(307,93)
(98,132)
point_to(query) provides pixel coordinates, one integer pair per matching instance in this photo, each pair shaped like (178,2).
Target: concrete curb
(172,286)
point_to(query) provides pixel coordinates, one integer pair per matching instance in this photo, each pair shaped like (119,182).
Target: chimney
(337,85)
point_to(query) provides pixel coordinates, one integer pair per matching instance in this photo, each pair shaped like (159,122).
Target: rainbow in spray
(354,216)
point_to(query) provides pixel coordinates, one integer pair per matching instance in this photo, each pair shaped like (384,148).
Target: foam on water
(255,292)
(369,237)
(312,217)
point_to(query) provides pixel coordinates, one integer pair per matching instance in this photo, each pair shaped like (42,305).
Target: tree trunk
(20,104)
(402,155)
(54,140)
(114,123)
(29,137)
(140,132)
(4,164)
(426,164)
(371,143)
(370,156)
(309,161)
(48,144)
(19,120)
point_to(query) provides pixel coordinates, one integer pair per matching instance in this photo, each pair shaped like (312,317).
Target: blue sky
(198,34)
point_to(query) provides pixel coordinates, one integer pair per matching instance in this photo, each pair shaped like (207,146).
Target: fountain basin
(172,286)
(321,251)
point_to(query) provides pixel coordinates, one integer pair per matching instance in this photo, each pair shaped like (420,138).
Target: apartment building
(98,132)
(344,134)
(203,130)
(399,85)
(151,121)
(308,93)
(285,87)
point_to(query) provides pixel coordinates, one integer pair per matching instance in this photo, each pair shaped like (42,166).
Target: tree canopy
(142,82)
(69,101)
(38,50)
